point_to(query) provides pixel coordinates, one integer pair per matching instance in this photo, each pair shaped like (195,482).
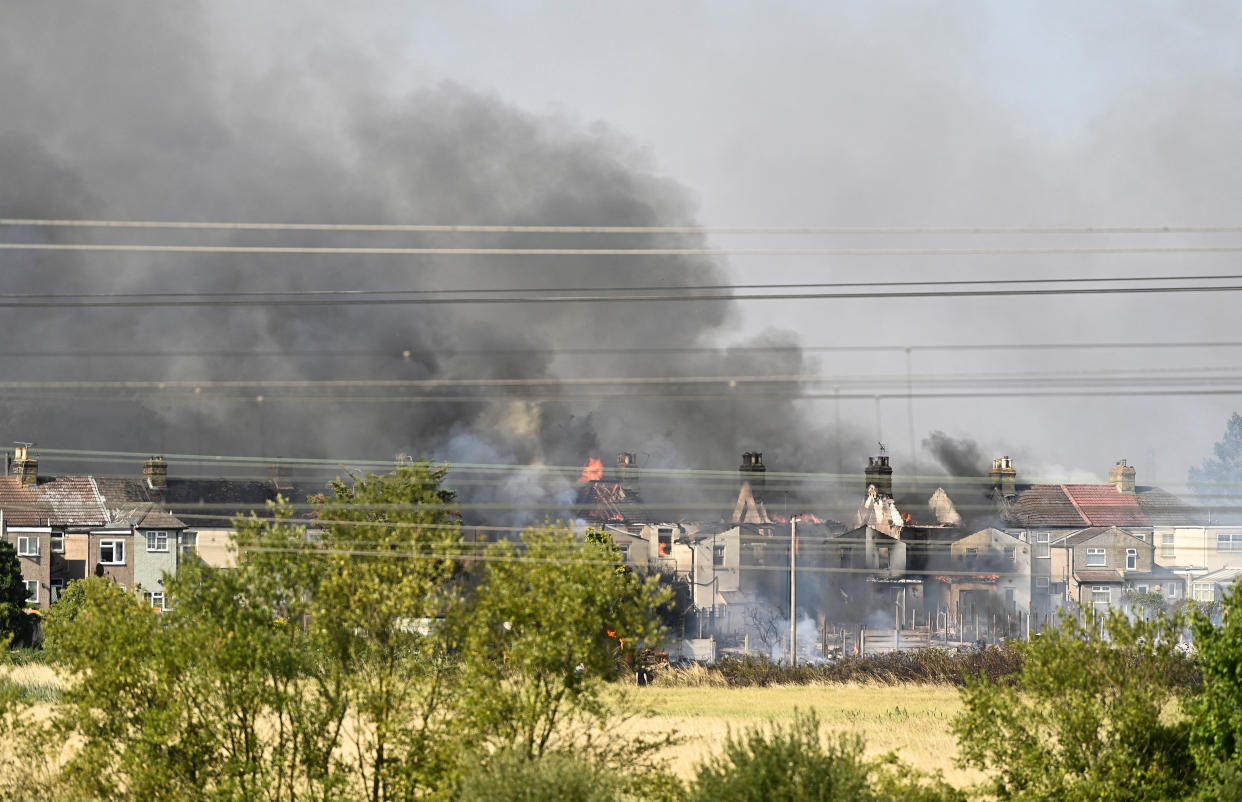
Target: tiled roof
(1097,576)
(74,502)
(1100,506)
(1045,505)
(216,502)
(1164,508)
(83,502)
(1105,505)
(22,506)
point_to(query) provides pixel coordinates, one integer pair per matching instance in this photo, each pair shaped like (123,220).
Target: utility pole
(793,592)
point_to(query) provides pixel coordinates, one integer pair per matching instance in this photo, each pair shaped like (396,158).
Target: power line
(347,295)
(592,351)
(375,251)
(563,299)
(545,229)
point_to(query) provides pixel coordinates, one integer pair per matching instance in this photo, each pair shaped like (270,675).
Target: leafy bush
(1087,718)
(794,763)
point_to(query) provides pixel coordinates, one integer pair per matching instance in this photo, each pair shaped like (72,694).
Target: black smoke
(128,111)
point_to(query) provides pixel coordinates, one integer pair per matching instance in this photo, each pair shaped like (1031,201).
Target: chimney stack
(155,472)
(1004,477)
(25,466)
(752,470)
(1121,476)
(627,470)
(880,474)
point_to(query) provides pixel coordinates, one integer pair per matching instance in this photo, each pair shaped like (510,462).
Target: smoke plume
(128,111)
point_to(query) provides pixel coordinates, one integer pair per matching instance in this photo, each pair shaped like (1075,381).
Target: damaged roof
(611,503)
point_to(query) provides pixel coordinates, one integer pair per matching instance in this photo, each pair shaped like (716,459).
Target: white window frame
(1106,590)
(1131,559)
(1011,554)
(1043,548)
(28,546)
(31,583)
(153,540)
(116,544)
(1228,541)
(1101,554)
(55,588)
(153,596)
(1140,589)
(1173,590)
(1167,541)
(1203,591)
(57,541)
(1043,583)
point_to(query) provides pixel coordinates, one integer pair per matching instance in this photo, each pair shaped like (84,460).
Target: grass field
(910,720)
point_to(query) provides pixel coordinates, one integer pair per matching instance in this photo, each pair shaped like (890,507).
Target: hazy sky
(804,114)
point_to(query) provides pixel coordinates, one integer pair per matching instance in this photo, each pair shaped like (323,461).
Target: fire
(593,471)
(908,517)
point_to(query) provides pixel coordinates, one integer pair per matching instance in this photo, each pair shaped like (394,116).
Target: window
(188,546)
(1009,595)
(1166,544)
(112,552)
(1140,588)
(156,600)
(1131,559)
(1042,549)
(718,554)
(1010,553)
(1228,542)
(32,591)
(28,547)
(1042,583)
(971,556)
(1096,557)
(1140,535)
(58,543)
(1100,595)
(1204,591)
(57,588)
(1173,590)
(665,542)
(157,540)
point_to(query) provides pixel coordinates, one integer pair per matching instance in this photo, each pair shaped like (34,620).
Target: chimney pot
(25,465)
(1121,476)
(1004,477)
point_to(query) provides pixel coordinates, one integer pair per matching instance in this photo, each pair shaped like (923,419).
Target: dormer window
(157,540)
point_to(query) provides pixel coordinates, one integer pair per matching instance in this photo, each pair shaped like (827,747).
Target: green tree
(1216,728)
(15,622)
(1219,478)
(1087,719)
(550,625)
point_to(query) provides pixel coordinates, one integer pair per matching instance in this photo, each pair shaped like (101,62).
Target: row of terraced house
(989,547)
(133,531)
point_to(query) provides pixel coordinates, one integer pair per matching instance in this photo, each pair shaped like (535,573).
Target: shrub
(794,763)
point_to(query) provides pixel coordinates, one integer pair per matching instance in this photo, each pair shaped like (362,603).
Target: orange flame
(593,471)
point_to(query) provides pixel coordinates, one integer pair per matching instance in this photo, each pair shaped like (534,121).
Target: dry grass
(910,720)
